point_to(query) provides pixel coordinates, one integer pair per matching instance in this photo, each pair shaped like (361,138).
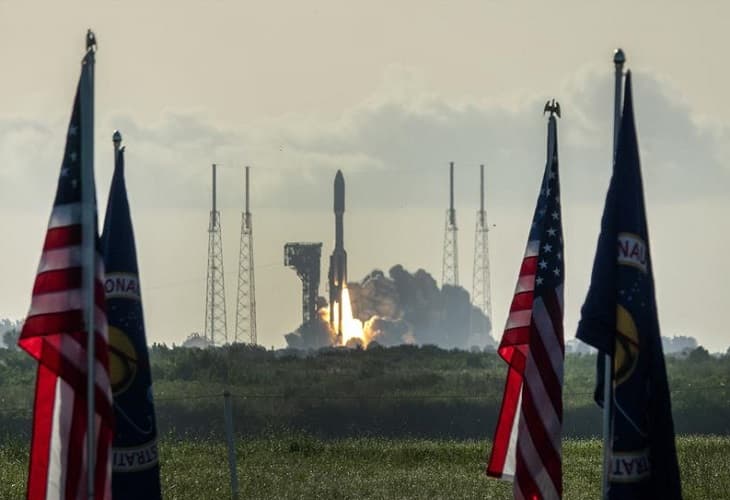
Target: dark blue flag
(619,318)
(135,467)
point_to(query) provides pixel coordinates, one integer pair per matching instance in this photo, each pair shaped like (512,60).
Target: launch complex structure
(305,259)
(216,327)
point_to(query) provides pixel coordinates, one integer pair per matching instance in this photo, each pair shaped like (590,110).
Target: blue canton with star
(547,226)
(69,184)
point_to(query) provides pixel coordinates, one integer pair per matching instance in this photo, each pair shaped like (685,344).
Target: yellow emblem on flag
(122,360)
(626,354)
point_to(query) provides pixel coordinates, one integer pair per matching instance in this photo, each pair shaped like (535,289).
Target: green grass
(399,392)
(304,467)
(13,469)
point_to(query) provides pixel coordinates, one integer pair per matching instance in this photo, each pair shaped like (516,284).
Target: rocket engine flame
(351,326)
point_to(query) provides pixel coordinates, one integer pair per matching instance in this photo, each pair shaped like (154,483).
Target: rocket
(338,259)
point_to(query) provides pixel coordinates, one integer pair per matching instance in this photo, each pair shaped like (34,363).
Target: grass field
(399,392)
(303,467)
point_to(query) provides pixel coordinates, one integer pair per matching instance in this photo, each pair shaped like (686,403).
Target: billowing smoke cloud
(410,308)
(405,308)
(314,334)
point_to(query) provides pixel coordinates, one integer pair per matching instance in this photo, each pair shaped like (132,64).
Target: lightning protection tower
(450,267)
(481,292)
(215,298)
(246,302)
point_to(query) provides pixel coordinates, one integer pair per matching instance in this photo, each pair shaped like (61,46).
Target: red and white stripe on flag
(527,447)
(55,331)
(54,334)
(527,440)
(514,349)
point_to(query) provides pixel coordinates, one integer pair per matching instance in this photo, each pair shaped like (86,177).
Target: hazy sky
(390,92)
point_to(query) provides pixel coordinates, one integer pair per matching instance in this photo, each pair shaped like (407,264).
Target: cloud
(404,140)
(681,157)
(394,149)
(27,150)
(680,154)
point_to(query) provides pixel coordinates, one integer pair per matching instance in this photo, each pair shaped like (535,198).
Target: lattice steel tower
(216,330)
(481,289)
(246,301)
(450,266)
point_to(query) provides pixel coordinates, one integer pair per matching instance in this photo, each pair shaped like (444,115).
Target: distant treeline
(394,392)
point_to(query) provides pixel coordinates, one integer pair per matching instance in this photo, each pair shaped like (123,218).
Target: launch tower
(481,289)
(246,300)
(450,267)
(215,298)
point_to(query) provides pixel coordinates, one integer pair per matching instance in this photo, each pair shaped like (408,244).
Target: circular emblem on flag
(626,354)
(122,360)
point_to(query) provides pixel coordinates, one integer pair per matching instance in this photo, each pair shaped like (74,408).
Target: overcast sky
(389,92)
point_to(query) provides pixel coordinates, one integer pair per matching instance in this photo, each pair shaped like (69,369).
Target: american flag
(55,335)
(526,445)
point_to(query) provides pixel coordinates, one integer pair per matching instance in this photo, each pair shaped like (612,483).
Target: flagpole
(88,220)
(618,60)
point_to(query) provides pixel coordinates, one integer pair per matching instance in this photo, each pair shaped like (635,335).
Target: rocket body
(338,260)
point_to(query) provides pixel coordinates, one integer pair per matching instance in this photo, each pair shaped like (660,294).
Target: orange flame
(351,327)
